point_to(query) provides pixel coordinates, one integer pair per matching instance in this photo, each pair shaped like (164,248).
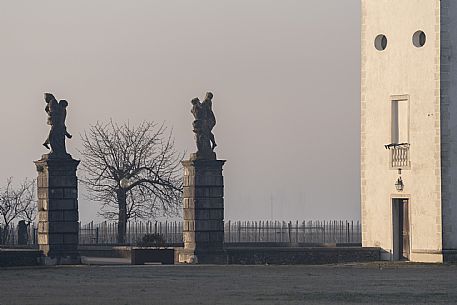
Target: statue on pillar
(57,113)
(203,125)
(57,236)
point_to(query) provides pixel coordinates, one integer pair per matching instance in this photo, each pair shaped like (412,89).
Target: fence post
(347,232)
(359,234)
(352,231)
(290,231)
(297,232)
(262,230)
(314,230)
(341,232)
(282,229)
(273,227)
(311,230)
(259,230)
(229,233)
(322,236)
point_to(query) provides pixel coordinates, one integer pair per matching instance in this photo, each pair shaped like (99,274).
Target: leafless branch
(17,203)
(145,156)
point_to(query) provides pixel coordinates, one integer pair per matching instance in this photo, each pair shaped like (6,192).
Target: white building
(409,128)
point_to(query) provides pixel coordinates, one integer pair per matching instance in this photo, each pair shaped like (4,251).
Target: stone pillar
(58,210)
(203,202)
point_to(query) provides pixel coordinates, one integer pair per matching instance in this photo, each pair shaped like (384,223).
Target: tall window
(400,120)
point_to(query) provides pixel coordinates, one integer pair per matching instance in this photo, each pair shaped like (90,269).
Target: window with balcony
(400,146)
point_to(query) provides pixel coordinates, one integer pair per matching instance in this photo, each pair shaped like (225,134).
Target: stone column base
(60,260)
(203,212)
(193,257)
(58,225)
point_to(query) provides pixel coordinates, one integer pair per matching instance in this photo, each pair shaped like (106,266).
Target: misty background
(285,78)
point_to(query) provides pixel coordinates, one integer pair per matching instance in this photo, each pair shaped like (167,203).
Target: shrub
(152,240)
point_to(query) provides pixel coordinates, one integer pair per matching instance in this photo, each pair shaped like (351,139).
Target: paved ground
(335,284)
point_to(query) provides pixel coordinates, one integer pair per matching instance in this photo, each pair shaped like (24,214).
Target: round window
(380,42)
(419,39)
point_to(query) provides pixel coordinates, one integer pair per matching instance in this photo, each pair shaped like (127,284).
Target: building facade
(409,128)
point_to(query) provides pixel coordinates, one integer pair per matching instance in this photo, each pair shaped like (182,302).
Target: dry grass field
(371,283)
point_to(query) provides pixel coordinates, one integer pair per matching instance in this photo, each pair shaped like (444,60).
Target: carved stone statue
(210,118)
(202,127)
(57,113)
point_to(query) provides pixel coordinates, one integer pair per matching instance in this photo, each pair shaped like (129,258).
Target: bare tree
(16,202)
(134,171)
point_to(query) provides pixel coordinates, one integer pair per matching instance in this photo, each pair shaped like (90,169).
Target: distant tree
(133,171)
(16,203)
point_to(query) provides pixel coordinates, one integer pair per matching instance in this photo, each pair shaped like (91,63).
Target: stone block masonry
(300,255)
(58,210)
(203,211)
(19,257)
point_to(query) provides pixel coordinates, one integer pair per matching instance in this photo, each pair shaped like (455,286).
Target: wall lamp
(399,185)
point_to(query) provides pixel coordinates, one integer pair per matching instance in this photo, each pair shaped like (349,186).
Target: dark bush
(152,240)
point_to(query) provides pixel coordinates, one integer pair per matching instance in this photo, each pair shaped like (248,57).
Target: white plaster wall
(398,70)
(449,121)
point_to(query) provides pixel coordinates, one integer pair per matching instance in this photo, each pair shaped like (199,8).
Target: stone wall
(297,256)
(19,257)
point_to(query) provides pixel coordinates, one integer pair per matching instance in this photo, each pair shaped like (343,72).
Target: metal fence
(105,233)
(305,232)
(281,232)
(9,236)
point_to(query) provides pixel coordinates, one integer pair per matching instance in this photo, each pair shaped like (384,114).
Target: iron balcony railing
(399,156)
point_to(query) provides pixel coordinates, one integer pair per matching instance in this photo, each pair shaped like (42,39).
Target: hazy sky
(285,77)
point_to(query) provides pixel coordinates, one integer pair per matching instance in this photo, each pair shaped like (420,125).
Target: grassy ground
(371,283)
